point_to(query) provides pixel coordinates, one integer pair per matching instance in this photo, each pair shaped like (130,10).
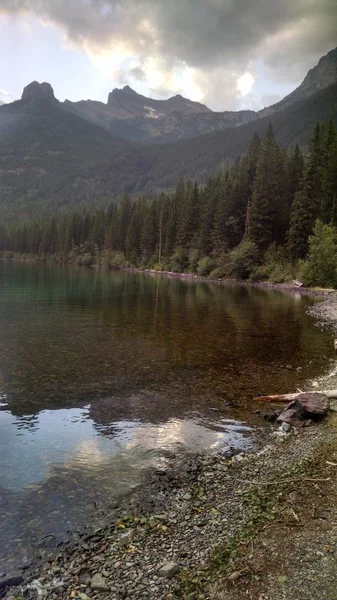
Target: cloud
(213,44)
(245,83)
(5,96)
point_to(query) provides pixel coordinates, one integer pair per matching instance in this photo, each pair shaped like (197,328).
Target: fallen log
(279,398)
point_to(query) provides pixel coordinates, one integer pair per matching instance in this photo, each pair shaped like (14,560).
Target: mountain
(1,102)
(127,103)
(140,119)
(48,156)
(53,158)
(318,78)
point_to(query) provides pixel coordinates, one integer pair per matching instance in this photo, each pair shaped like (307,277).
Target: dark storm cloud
(201,32)
(207,35)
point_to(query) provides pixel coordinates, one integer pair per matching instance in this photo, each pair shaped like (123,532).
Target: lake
(106,375)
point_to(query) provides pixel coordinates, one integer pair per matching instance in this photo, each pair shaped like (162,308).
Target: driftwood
(279,398)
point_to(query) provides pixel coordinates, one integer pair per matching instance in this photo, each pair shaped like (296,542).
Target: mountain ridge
(317,78)
(138,118)
(52,158)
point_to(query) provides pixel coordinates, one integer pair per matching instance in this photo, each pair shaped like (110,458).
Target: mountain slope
(128,103)
(318,78)
(163,165)
(139,119)
(49,156)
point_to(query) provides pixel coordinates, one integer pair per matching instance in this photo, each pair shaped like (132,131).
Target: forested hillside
(254,219)
(53,161)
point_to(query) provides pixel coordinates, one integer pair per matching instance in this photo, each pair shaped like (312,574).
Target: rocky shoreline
(162,542)
(157,542)
(290,286)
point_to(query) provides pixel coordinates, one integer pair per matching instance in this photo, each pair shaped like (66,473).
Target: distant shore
(287,286)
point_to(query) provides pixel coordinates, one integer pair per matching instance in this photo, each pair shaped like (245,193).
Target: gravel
(168,529)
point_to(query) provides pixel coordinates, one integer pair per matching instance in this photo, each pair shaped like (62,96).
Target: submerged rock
(11,580)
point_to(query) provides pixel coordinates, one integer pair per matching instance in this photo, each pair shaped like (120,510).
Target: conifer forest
(271,215)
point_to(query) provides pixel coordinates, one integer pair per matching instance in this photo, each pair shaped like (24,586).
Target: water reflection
(72,335)
(47,489)
(103,375)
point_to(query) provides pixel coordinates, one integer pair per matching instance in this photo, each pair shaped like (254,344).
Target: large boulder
(306,408)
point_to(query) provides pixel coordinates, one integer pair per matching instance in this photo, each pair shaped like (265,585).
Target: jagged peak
(36,90)
(129,90)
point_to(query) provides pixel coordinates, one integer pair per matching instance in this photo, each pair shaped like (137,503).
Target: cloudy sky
(229,54)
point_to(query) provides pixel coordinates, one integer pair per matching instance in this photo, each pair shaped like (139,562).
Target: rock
(307,406)
(11,580)
(239,457)
(36,90)
(333,405)
(272,416)
(235,576)
(314,404)
(169,570)
(99,583)
(286,427)
(85,578)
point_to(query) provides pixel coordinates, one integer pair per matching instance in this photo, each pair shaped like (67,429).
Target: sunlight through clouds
(245,83)
(206,50)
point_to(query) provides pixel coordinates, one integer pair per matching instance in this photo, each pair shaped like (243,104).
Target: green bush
(275,267)
(179,260)
(193,259)
(243,259)
(320,267)
(85,260)
(118,260)
(222,266)
(205,266)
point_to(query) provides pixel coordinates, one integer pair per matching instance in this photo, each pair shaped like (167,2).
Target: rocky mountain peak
(323,74)
(36,90)
(318,78)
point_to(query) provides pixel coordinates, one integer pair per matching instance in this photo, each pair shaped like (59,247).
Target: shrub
(118,260)
(243,259)
(193,258)
(222,265)
(86,260)
(179,260)
(320,267)
(205,266)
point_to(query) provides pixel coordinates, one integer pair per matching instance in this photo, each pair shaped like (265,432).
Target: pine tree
(221,216)
(307,202)
(133,237)
(150,231)
(329,176)
(124,220)
(209,206)
(266,222)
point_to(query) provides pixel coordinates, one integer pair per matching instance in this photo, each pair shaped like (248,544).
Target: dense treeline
(255,219)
